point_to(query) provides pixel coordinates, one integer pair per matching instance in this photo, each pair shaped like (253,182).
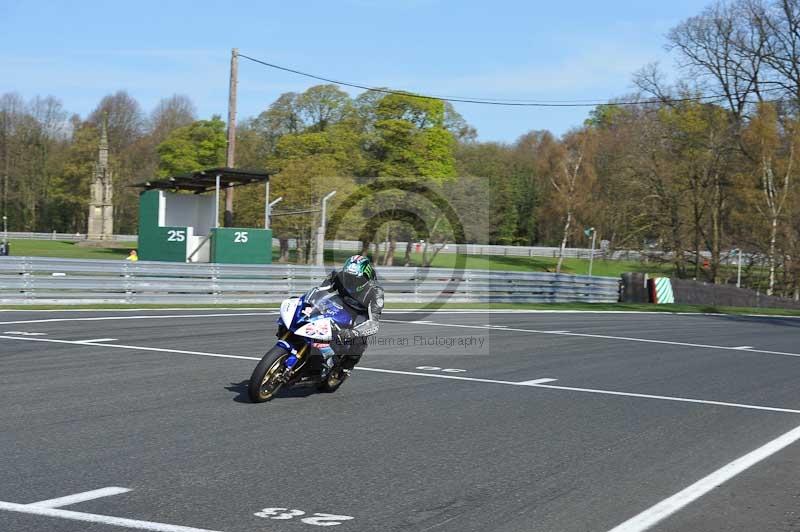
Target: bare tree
(724,52)
(571,181)
(776,166)
(171,113)
(779,26)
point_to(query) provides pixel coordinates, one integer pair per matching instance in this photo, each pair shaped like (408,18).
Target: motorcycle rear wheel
(265,380)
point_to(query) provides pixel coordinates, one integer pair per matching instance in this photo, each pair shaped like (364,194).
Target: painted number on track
(240,237)
(318,519)
(437,368)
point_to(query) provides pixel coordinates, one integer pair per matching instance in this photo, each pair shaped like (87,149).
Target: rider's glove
(343,336)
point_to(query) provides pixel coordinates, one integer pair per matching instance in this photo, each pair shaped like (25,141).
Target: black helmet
(355,276)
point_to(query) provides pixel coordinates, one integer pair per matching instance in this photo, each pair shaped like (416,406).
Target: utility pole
(230,156)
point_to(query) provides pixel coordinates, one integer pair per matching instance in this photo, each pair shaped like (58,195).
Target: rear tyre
(266,379)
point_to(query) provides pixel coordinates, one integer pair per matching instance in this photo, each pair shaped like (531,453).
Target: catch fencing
(33,280)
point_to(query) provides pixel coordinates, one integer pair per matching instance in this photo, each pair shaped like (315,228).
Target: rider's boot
(329,360)
(349,362)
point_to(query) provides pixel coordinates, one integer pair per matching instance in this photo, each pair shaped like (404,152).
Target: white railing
(34,280)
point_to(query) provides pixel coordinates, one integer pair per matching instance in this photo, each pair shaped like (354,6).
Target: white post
(739,273)
(269,209)
(591,257)
(321,231)
(216,204)
(266,205)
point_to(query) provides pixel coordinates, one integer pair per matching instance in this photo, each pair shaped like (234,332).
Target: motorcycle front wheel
(267,377)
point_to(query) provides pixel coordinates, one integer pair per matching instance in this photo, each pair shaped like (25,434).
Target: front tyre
(267,378)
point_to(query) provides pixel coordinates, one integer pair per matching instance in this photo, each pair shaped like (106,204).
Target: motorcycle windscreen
(289,310)
(329,305)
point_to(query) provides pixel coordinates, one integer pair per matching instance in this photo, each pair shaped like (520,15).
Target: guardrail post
(127,285)
(416,286)
(29,282)
(215,289)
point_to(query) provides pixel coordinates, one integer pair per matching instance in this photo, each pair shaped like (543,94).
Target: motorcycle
(305,329)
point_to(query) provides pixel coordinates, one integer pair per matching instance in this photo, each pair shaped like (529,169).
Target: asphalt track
(451,425)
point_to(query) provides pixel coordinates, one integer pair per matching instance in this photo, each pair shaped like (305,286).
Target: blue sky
(79,51)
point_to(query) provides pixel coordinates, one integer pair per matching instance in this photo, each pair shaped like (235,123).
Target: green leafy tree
(194,147)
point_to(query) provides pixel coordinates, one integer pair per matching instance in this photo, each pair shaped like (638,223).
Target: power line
(495,101)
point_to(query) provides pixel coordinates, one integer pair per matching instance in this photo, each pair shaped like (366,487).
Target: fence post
(416,286)
(29,286)
(126,283)
(215,290)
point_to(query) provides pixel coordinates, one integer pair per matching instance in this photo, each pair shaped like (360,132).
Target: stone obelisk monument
(101,207)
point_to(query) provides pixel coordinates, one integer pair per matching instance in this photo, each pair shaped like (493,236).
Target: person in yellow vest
(132,256)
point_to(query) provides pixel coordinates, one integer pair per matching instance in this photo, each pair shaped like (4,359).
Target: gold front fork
(302,351)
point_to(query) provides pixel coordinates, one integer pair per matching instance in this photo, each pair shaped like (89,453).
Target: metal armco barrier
(33,280)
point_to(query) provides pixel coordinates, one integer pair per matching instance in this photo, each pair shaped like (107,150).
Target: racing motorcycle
(305,330)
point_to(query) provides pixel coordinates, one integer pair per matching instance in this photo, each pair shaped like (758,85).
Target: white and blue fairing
(316,319)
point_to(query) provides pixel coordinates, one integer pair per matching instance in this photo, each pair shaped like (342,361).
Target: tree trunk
(773,237)
(385,257)
(407,257)
(716,230)
(301,250)
(284,249)
(564,241)
(696,241)
(390,254)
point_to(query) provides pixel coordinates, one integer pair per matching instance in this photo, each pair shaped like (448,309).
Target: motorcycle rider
(358,287)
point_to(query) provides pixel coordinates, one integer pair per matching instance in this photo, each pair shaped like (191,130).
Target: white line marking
(666,398)
(80,497)
(586,390)
(95,340)
(436,375)
(142,317)
(743,347)
(669,506)
(609,337)
(136,348)
(430,375)
(536,381)
(96,518)
(421,321)
(23,333)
